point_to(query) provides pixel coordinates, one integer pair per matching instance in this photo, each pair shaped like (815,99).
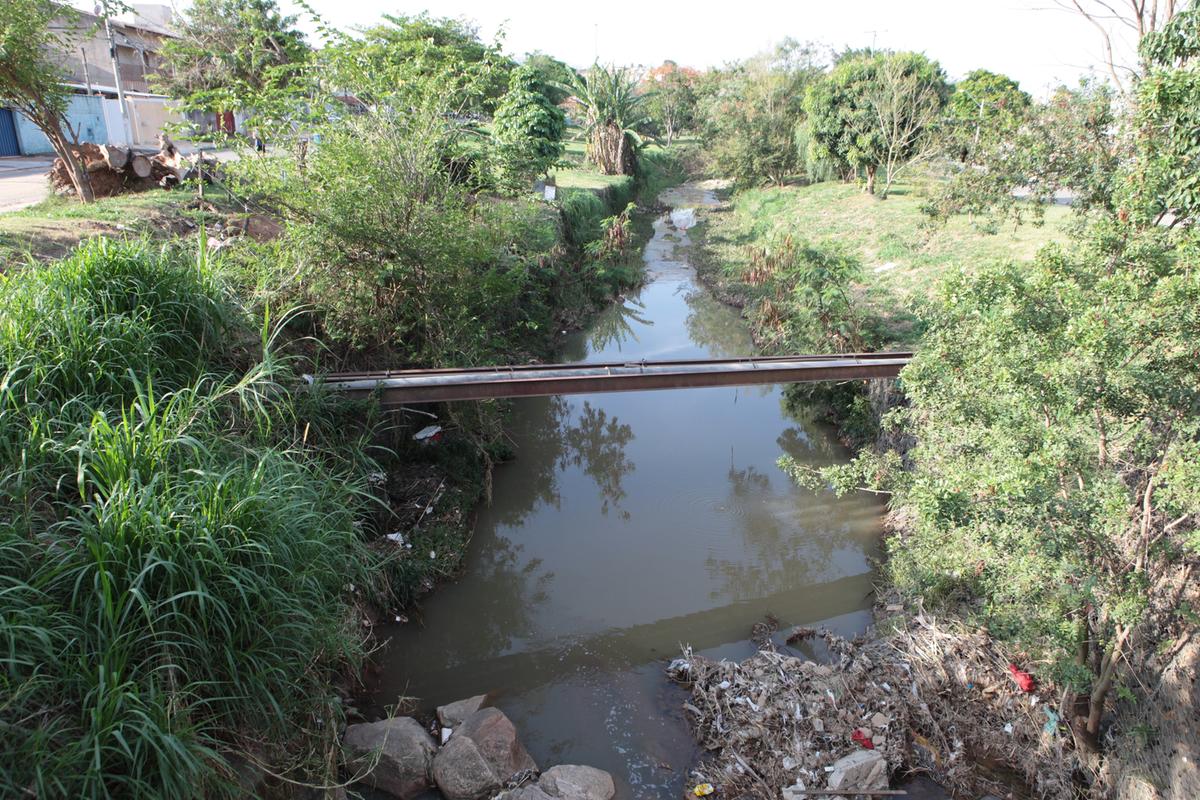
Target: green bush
(402,263)
(528,131)
(658,170)
(175,548)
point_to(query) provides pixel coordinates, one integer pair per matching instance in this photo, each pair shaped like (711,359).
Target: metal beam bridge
(397,387)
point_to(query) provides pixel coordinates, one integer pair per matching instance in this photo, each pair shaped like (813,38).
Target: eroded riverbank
(628,525)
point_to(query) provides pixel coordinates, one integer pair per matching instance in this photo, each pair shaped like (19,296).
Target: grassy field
(54,227)
(576,172)
(902,257)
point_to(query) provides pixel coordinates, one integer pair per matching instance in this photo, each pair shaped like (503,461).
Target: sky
(1035,41)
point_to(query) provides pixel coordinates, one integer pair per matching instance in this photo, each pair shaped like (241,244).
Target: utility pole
(116,67)
(87,75)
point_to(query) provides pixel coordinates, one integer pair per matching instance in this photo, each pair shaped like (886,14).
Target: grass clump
(174,544)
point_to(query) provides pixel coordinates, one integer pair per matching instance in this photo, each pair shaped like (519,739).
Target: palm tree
(615,109)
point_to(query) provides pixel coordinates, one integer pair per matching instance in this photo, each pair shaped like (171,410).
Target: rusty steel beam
(396,387)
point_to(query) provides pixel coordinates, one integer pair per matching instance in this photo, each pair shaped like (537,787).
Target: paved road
(23,181)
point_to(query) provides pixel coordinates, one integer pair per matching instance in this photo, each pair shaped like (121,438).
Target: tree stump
(140,166)
(116,157)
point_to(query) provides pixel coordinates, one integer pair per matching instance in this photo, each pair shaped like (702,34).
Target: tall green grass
(174,550)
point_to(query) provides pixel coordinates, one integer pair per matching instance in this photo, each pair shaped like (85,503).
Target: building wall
(88,62)
(85,115)
(148,116)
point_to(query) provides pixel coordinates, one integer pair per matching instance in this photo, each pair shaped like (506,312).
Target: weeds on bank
(177,534)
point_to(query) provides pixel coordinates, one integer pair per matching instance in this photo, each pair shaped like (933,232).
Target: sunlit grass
(902,256)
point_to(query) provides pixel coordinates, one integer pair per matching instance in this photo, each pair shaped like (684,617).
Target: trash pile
(777,722)
(922,698)
(979,721)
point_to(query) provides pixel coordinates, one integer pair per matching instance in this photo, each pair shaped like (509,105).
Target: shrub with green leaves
(401,262)
(528,131)
(1053,490)
(800,296)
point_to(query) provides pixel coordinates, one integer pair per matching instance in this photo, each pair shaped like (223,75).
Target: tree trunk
(140,166)
(52,127)
(1102,686)
(871,180)
(116,157)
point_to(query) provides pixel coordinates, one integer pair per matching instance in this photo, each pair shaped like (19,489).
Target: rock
(496,738)
(462,772)
(250,777)
(569,782)
(454,714)
(864,769)
(405,753)
(529,791)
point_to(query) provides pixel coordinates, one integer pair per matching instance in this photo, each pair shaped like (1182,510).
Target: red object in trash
(1024,680)
(862,739)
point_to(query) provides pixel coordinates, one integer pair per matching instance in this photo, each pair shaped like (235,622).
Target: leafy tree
(528,130)
(1164,179)
(1054,491)
(672,104)
(31,81)
(552,75)
(1067,143)
(983,105)
(874,110)
(751,113)
(233,54)
(615,109)
(406,49)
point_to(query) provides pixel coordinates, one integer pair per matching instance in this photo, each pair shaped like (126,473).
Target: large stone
(570,782)
(462,773)
(496,738)
(405,752)
(530,791)
(454,714)
(863,769)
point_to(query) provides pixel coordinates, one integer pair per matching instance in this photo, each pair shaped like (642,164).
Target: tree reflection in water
(615,326)
(553,434)
(787,542)
(596,442)
(716,328)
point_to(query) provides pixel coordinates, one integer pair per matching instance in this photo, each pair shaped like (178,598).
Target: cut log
(115,156)
(140,165)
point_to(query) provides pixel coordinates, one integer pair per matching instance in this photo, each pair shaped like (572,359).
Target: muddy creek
(631,524)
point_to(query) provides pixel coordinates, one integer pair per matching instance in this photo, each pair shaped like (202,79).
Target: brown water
(632,524)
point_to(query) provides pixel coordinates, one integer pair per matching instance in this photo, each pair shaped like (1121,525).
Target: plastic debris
(1051,726)
(703,789)
(1024,680)
(860,738)
(396,537)
(679,670)
(430,434)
